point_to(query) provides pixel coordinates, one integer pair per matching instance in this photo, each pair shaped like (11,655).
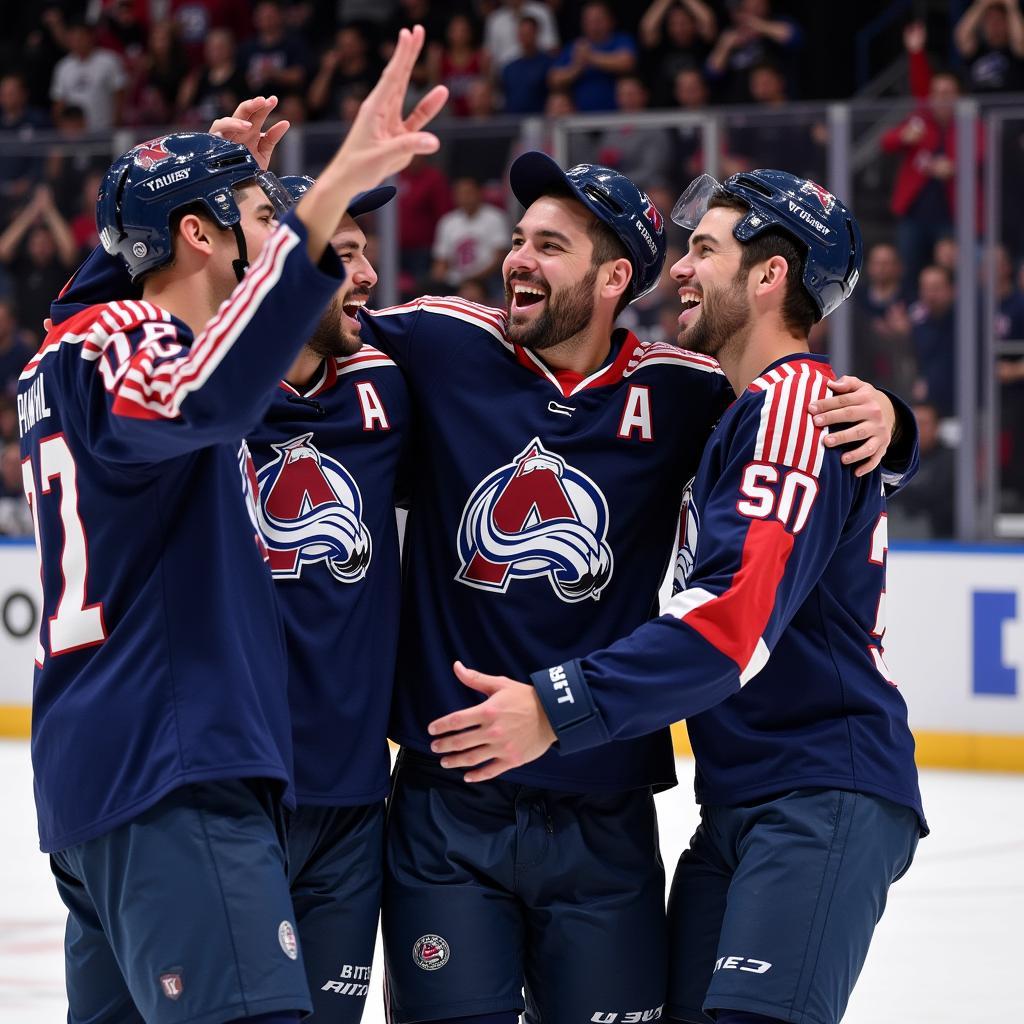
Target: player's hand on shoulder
(507,730)
(866,415)
(245,126)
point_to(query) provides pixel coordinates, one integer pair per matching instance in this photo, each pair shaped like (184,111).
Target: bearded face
(721,316)
(565,312)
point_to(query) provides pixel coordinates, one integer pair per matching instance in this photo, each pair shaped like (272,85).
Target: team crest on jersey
(149,154)
(310,510)
(536,516)
(689,529)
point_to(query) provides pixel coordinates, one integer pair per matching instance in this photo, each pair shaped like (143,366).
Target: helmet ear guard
(816,220)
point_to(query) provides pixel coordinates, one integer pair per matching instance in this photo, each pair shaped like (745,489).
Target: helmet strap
(242,263)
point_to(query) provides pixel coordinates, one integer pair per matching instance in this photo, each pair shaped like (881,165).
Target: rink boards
(954,646)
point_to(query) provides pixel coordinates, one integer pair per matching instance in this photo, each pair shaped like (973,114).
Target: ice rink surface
(946,952)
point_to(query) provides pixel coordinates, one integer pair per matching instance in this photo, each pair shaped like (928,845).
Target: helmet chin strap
(242,263)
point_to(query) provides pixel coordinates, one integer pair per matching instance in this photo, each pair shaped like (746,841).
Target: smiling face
(549,274)
(337,333)
(712,287)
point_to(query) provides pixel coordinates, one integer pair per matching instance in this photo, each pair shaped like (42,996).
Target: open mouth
(691,303)
(352,305)
(526,295)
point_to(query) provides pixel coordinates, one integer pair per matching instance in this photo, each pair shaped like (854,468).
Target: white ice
(946,952)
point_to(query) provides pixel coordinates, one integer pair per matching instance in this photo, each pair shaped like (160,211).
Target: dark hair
(799,311)
(945,271)
(607,246)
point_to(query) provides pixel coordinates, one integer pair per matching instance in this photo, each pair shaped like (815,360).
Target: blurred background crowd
(738,84)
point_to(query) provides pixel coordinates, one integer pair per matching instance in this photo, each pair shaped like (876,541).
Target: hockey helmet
(297,185)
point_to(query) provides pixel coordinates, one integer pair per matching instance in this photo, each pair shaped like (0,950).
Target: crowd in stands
(75,73)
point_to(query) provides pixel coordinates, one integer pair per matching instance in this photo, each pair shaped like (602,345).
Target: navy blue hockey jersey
(326,464)
(161,657)
(543,512)
(772,646)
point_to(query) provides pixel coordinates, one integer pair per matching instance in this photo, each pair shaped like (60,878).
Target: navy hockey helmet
(821,225)
(143,188)
(609,196)
(297,185)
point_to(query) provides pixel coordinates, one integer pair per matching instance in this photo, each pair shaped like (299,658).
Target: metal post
(387,259)
(840,182)
(990,392)
(967,320)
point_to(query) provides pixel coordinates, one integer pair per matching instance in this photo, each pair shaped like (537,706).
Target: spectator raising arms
(39,251)
(755,37)
(675,35)
(589,65)
(990,38)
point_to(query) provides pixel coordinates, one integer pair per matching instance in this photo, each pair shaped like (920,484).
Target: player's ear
(771,276)
(195,233)
(617,275)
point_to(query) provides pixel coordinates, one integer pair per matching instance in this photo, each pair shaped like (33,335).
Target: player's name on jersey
(32,405)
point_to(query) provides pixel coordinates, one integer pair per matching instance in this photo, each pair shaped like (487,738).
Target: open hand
(507,730)
(870,416)
(245,126)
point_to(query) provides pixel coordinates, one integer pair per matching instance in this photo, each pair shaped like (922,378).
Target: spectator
(473,290)
(882,323)
(346,66)
(155,77)
(90,78)
(423,198)
(38,250)
(72,157)
(38,54)
(83,224)
(525,79)
(217,86)
(676,35)
(471,240)
(196,19)
(934,340)
(990,38)
(458,63)
(122,26)
(16,349)
(274,60)
(501,31)
(690,91)
(923,196)
(946,253)
(643,154)
(926,509)
(15,514)
(754,38)
(8,416)
(19,124)
(432,17)
(645,317)
(589,65)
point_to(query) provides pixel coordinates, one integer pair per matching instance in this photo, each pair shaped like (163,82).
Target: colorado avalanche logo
(689,530)
(652,214)
(149,154)
(536,516)
(824,197)
(310,510)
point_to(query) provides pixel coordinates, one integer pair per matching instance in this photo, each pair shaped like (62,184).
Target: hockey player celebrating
(548,471)
(771,648)
(161,737)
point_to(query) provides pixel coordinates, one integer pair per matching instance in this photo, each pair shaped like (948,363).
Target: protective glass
(279,196)
(693,203)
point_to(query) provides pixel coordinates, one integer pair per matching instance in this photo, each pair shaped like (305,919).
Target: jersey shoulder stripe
(492,320)
(660,353)
(786,432)
(366,358)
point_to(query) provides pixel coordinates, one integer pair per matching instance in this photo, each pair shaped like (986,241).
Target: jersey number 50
(75,624)
(790,503)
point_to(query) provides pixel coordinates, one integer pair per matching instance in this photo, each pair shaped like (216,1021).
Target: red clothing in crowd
(423,198)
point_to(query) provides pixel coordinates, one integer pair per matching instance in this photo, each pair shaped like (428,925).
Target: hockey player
(772,646)
(161,737)
(548,473)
